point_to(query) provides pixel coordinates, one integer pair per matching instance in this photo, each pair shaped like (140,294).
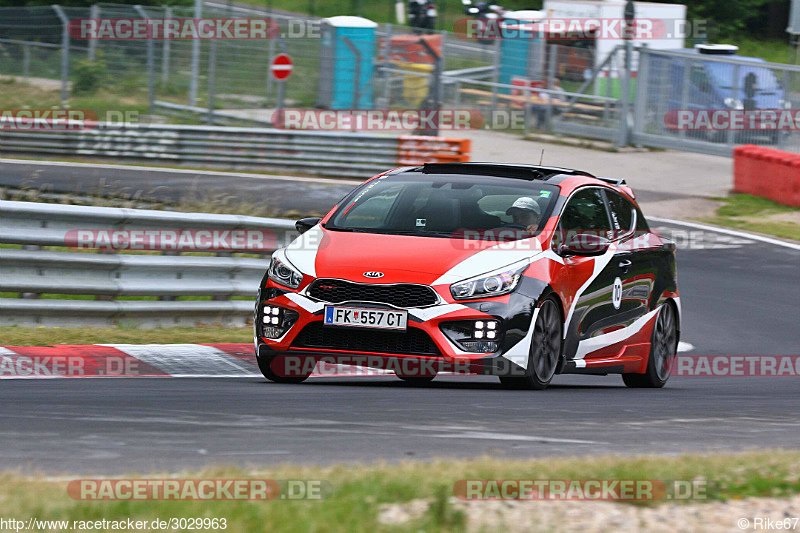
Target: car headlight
(280,271)
(495,283)
(733,103)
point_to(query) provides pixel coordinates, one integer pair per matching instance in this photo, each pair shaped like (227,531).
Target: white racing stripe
(724,231)
(601,341)
(518,354)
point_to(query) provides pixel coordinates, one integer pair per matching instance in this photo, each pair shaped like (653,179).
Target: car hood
(324,253)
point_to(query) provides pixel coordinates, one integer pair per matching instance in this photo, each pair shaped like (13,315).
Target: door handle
(624,264)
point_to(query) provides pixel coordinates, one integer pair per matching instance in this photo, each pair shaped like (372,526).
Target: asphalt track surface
(281,195)
(737,300)
(739,296)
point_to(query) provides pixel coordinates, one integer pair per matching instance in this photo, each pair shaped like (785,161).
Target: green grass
(358,492)
(752,213)
(772,50)
(48,336)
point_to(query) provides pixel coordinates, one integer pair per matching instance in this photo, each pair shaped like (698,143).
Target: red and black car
(518,271)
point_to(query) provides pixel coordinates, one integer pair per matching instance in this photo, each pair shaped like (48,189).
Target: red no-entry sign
(281,67)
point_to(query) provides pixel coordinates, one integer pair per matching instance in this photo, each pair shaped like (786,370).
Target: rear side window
(621,211)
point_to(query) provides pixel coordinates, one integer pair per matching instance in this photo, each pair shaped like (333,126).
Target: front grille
(412,341)
(398,295)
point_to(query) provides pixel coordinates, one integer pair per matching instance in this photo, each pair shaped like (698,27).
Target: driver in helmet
(525,212)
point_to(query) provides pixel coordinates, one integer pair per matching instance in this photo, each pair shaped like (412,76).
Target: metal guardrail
(32,271)
(340,154)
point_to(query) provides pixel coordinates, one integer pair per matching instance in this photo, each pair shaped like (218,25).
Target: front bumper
(513,313)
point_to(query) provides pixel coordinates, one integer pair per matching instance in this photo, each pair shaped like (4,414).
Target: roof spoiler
(620,184)
(501,169)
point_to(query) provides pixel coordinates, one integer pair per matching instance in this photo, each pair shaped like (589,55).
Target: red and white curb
(143,360)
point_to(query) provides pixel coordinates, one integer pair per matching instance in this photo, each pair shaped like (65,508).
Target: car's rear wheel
(544,352)
(265,364)
(663,348)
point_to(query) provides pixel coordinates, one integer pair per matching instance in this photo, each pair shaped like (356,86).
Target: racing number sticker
(616,293)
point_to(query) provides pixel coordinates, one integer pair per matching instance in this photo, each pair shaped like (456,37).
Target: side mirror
(305,224)
(585,245)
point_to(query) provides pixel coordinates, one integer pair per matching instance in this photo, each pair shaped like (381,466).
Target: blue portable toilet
(338,86)
(522,47)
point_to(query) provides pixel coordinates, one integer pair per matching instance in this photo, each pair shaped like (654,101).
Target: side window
(586,212)
(621,211)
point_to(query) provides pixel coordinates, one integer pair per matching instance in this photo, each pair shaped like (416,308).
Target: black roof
(506,170)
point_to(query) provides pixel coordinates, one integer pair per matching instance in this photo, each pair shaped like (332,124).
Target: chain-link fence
(710,103)
(524,84)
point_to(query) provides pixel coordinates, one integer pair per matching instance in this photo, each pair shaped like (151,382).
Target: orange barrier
(768,173)
(419,149)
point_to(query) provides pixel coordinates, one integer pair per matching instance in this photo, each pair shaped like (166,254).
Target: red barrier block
(768,173)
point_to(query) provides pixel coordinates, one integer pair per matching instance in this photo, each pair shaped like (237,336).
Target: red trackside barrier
(768,173)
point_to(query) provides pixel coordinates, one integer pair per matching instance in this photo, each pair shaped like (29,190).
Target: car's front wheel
(417,380)
(267,366)
(544,352)
(663,348)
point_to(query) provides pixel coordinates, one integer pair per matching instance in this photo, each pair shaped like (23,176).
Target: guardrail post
(64,54)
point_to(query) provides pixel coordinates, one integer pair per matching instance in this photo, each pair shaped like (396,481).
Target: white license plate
(365,318)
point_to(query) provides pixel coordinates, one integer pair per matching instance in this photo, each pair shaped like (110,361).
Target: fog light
(277,321)
(476,336)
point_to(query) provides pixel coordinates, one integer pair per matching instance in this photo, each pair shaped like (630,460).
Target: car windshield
(446,205)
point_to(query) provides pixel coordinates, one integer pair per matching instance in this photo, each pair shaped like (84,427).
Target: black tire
(545,350)
(416,380)
(663,348)
(264,364)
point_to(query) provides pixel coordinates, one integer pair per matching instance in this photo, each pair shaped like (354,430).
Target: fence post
(731,136)
(94,13)
(151,72)
(165,52)
(212,80)
(387,62)
(551,78)
(198,13)
(643,80)
(26,60)
(270,57)
(64,54)
(495,74)
(687,72)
